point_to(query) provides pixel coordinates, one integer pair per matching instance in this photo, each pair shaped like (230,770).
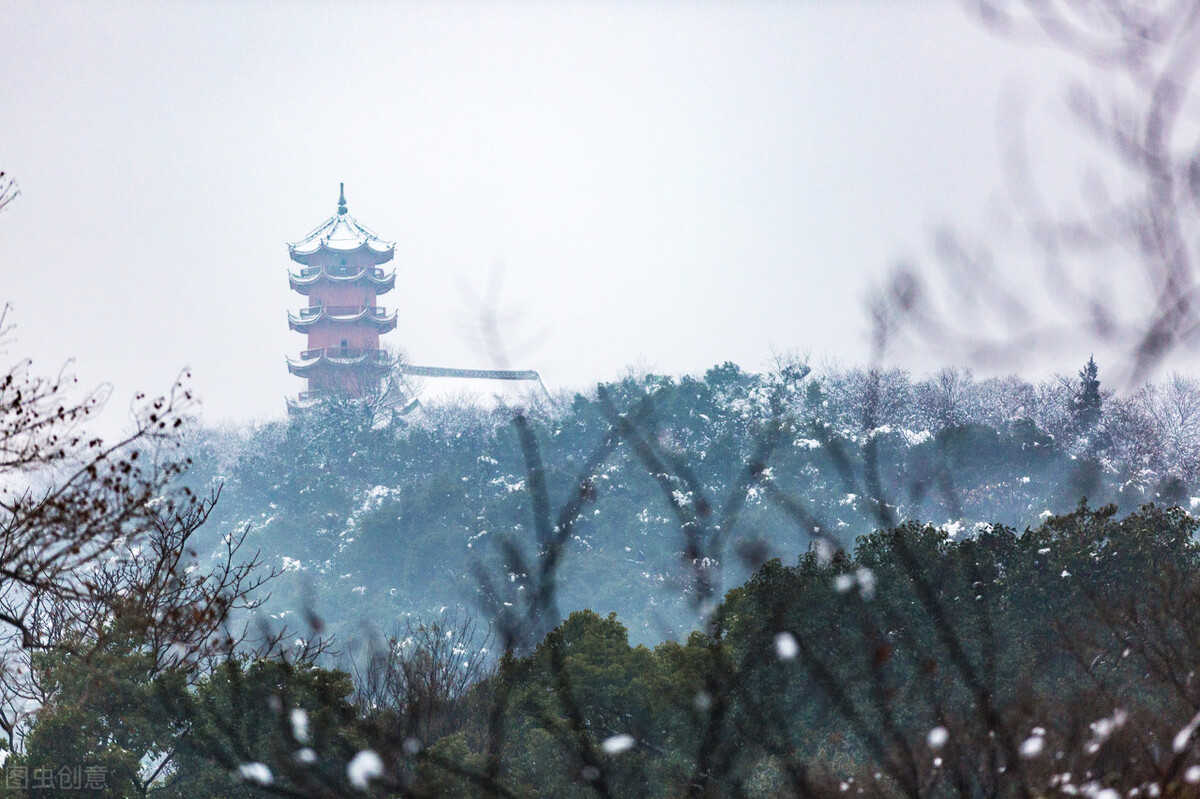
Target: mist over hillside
(372,520)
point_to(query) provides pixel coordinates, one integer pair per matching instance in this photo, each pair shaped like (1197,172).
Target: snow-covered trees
(1087,405)
(1171,410)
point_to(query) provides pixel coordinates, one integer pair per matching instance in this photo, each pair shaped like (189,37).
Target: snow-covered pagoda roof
(341,234)
(382,281)
(315,315)
(315,361)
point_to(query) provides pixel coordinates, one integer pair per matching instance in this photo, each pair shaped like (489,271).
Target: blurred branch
(1140,234)
(9,190)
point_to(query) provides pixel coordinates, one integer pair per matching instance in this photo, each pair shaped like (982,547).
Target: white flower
(786,646)
(255,772)
(365,767)
(824,551)
(1183,736)
(300,725)
(866,582)
(1032,747)
(937,737)
(616,744)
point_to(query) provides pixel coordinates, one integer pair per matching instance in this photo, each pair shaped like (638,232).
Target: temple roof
(432,389)
(341,234)
(436,386)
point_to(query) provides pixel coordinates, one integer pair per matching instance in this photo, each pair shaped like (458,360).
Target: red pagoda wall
(336,290)
(358,336)
(341,294)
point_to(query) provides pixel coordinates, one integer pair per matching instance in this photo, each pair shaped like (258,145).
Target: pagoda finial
(342,199)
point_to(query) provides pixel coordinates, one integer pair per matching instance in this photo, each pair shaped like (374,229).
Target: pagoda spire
(342,200)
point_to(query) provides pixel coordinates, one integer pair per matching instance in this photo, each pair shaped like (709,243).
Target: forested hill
(380,518)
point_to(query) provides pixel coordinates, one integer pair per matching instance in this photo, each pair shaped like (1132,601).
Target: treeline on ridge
(395,511)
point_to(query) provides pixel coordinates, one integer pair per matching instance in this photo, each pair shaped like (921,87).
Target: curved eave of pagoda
(307,367)
(301,404)
(377,252)
(385,322)
(303,282)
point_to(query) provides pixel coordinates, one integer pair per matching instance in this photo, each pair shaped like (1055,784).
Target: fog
(665,185)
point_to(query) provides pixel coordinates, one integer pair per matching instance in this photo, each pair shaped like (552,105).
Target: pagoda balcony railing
(343,353)
(343,310)
(343,271)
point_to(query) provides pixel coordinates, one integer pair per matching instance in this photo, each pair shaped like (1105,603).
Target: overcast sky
(672,184)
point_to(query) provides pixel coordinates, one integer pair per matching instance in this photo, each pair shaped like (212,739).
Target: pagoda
(340,271)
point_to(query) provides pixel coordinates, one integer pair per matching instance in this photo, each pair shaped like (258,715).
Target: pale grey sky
(676,183)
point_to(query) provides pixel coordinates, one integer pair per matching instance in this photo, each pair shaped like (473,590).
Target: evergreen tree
(1087,404)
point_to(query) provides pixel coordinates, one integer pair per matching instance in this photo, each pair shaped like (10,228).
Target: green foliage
(103,713)
(243,713)
(893,639)
(842,662)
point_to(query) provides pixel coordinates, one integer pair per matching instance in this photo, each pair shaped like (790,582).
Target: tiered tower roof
(315,315)
(341,234)
(341,276)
